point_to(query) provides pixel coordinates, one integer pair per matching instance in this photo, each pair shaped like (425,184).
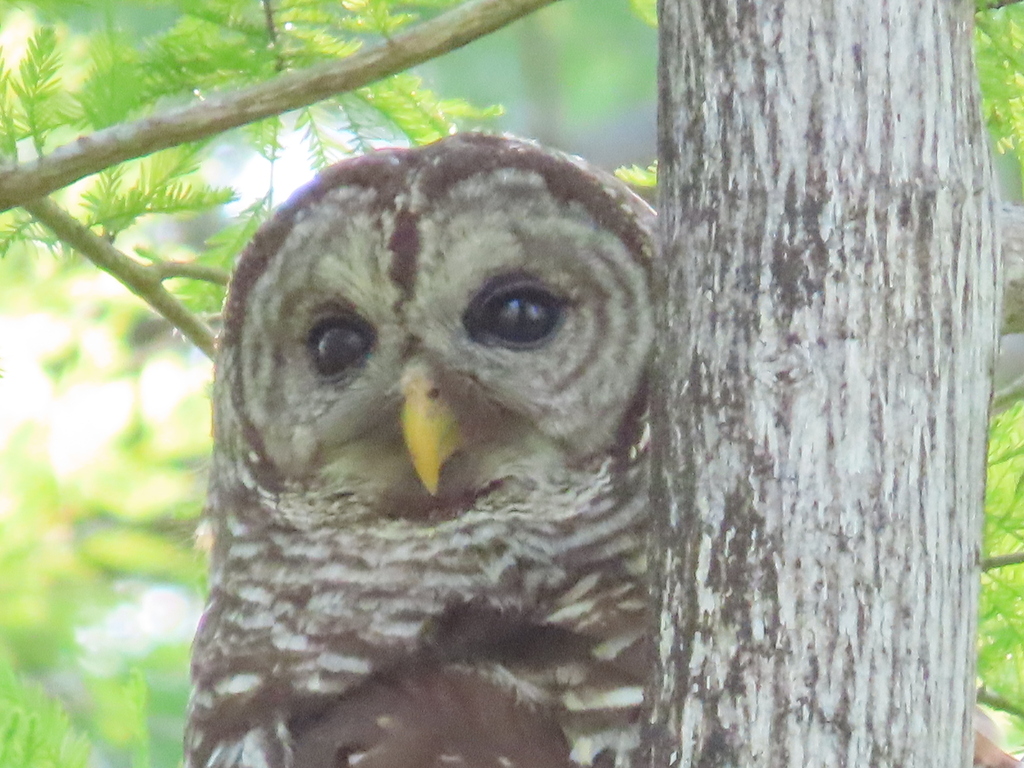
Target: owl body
(429,465)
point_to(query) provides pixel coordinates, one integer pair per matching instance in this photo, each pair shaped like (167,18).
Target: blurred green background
(104,414)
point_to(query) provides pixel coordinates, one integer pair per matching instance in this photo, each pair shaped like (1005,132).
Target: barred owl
(428,482)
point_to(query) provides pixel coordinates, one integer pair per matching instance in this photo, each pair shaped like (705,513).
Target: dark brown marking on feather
(431,510)
(424,718)
(478,631)
(634,421)
(568,179)
(264,471)
(405,248)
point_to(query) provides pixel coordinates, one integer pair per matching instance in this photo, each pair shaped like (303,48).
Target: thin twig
(994,5)
(169,269)
(1000,561)
(995,701)
(92,153)
(268,17)
(144,281)
(1006,396)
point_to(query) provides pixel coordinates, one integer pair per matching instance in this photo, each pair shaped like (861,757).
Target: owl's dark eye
(518,314)
(339,343)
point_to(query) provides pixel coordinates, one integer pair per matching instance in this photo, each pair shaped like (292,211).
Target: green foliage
(112,90)
(34,730)
(999,37)
(222,246)
(104,440)
(164,184)
(646,10)
(37,90)
(1001,626)
(636,176)
(124,707)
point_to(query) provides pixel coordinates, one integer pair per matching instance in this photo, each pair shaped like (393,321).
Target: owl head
(419,328)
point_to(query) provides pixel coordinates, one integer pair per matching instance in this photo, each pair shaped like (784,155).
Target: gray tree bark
(829,321)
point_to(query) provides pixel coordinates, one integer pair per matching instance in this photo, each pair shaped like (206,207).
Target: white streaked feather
(626,697)
(572,611)
(336,662)
(237,684)
(611,648)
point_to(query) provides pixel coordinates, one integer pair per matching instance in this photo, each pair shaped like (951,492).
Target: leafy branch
(92,153)
(144,281)
(34,729)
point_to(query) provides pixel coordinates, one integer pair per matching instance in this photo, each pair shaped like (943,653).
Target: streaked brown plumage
(987,752)
(429,466)
(432,718)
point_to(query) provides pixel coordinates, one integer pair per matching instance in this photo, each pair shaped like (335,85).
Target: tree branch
(995,701)
(268,17)
(1004,397)
(169,269)
(144,281)
(89,154)
(1000,561)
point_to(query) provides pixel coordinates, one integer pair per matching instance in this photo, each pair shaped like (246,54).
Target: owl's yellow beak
(429,426)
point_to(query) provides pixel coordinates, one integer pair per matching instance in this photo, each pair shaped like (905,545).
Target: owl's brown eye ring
(515,312)
(339,343)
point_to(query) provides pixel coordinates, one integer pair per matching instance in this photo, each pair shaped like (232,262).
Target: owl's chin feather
(377,470)
(447,504)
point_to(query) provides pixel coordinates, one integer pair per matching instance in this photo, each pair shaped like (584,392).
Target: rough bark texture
(831,313)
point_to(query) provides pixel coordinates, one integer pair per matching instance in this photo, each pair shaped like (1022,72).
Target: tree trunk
(830,317)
